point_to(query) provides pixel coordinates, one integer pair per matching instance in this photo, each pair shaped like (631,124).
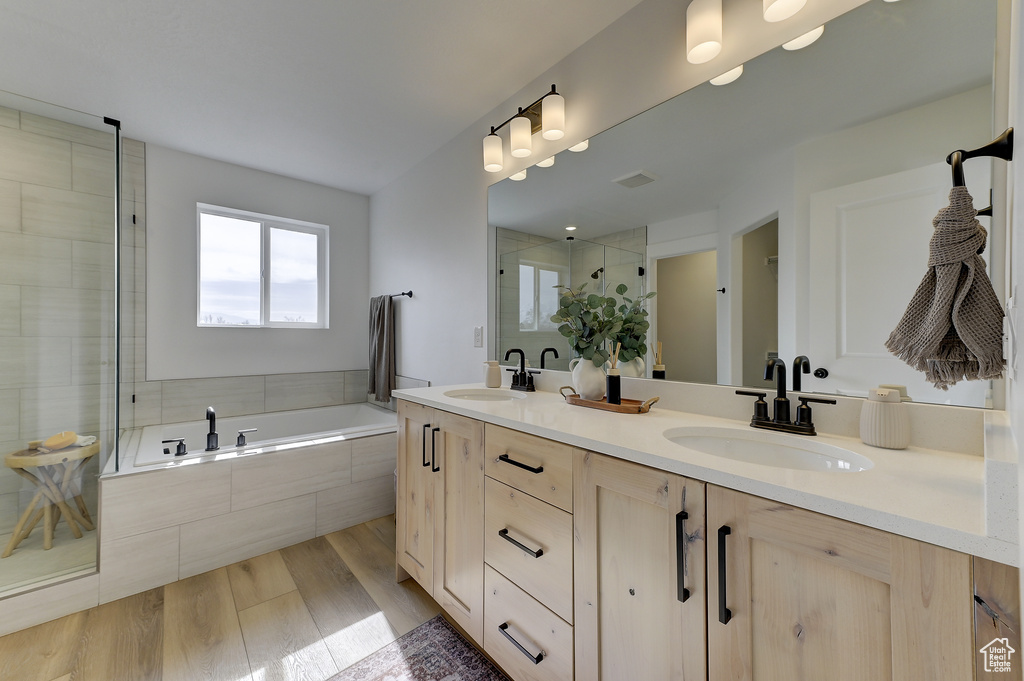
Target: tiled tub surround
(934,491)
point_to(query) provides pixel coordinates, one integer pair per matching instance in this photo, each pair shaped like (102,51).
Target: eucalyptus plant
(632,334)
(588,321)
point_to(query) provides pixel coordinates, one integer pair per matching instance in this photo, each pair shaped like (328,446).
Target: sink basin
(770,449)
(485,394)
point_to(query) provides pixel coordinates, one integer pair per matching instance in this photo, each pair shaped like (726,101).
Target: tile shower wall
(56,283)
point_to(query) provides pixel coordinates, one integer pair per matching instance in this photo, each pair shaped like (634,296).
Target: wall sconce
(803,41)
(521,175)
(779,10)
(546,163)
(703,30)
(580,146)
(728,76)
(546,115)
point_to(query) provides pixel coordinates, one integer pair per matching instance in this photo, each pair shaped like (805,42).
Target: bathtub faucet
(211,437)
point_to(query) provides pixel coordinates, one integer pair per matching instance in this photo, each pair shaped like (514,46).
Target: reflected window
(539,295)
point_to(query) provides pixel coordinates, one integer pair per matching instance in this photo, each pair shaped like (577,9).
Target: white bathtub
(276,431)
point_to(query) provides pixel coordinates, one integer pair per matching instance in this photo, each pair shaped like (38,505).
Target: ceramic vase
(587,380)
(634,368)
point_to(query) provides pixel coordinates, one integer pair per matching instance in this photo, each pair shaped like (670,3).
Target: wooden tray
(627,406)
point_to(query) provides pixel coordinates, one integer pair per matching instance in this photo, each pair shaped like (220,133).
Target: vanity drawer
(505,448)
(531,625)
(541,528)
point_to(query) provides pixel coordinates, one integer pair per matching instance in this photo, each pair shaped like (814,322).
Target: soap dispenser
(884,421)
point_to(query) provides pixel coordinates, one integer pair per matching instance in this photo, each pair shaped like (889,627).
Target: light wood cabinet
(997,635)
(639,569)
(440,509)
(798,595)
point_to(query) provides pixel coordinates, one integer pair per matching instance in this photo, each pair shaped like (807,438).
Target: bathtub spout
(211,438)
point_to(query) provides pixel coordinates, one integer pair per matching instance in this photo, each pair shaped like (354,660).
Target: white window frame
(268,222)
(563,275)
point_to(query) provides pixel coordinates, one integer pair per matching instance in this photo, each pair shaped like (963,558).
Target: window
(538,297)
(260,271)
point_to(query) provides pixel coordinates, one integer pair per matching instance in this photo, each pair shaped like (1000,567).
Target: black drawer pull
(425,462)
(724,613)
(503,533)
(504,457)
(433,451)
(682,593)
(536,658)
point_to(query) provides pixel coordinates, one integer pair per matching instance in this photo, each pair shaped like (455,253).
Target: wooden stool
(57,477)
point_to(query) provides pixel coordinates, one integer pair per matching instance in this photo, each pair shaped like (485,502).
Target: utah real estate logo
(997,655)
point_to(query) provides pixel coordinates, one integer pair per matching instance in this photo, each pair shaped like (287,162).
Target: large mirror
(787,213)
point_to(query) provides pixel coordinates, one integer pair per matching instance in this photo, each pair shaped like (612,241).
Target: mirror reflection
(787,213)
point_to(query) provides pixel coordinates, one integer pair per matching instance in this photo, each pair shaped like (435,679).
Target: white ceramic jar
(884,421)
(492,374)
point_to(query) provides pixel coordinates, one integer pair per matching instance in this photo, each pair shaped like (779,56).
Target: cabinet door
(640,541)
(459,526)
(414,509)
(807,596)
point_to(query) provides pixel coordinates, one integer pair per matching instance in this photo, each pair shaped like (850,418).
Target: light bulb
(492,153)
(521,136)
(703,30)
(552,117)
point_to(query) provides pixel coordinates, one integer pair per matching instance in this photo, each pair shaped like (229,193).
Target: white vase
(588,380)
(634,368)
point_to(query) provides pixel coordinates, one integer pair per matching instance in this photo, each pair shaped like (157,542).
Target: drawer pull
(433,451)
(536,658)
(724,613)
(503,533)
(425,462)
(506,459)
(682,593)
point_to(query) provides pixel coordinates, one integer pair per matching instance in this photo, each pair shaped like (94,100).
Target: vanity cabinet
(793,594)
(640,562)
(440,509)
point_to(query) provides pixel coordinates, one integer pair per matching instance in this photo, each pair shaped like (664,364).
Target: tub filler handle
(180,450)
(240,442)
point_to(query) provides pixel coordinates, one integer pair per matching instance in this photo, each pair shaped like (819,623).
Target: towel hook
(1000,147)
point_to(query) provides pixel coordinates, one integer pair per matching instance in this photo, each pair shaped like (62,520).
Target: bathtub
(276,431)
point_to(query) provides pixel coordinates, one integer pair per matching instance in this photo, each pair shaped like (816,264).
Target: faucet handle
(803,412)
(240,442)
(760,406)
(179,450)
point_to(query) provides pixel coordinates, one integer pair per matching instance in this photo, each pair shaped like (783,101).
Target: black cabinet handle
(503,533)
(536,658)
(433,450)
(425,462)
(682,593)
(724,613)
(504,457)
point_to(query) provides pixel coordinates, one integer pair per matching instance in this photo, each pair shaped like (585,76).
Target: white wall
(429,228)
(176,347)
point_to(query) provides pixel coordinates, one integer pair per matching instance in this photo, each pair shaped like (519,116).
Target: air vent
(637,179)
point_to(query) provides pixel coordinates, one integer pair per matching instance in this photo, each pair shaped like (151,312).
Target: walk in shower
(59,324)
(528,295)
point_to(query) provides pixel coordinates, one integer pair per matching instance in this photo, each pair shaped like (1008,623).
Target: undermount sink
(485,394)
(770,449)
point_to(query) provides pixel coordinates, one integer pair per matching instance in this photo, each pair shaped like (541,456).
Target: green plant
(587,321)
(632,334)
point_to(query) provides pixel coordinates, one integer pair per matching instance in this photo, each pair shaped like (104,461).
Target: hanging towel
(953,328)
(382,348)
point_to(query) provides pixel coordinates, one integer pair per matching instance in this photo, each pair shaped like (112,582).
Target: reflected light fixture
(546,163)
(780,10)
(804,40)
(545,115)
(580,146)
(703,30)
(521,175)
(727,77)
(570,228)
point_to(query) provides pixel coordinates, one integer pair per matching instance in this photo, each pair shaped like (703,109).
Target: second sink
(769,449)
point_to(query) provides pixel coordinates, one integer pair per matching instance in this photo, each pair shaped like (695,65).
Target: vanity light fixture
(780,10)
(521,175)
(727,77)
(804,40)
(546,163)
(580,146)
(547,117)
(703,30)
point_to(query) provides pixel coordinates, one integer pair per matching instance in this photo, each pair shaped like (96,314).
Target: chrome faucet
(211,437)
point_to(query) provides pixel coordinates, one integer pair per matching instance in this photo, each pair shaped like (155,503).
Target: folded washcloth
(953,328)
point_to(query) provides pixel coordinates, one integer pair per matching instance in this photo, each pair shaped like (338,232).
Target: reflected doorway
(760,277)
(687,314)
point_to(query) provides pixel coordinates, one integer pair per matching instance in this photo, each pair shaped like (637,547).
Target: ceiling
(876,60)
(350,94)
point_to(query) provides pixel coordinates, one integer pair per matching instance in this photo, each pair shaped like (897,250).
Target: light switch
(478,336)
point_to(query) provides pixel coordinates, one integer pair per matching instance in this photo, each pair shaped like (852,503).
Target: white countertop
(933,496)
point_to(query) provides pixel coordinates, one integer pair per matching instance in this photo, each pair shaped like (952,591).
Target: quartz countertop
(933,496)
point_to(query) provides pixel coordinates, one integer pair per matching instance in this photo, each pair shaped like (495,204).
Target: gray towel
(953,328)
(382,348)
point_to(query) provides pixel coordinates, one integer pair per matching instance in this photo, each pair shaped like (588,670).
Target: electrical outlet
(478,336)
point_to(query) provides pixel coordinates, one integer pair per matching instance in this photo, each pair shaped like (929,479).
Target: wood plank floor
(299,614)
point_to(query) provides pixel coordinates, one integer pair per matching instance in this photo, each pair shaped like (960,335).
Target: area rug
(433,651)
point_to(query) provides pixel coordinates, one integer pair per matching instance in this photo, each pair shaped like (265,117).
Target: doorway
(686,316)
